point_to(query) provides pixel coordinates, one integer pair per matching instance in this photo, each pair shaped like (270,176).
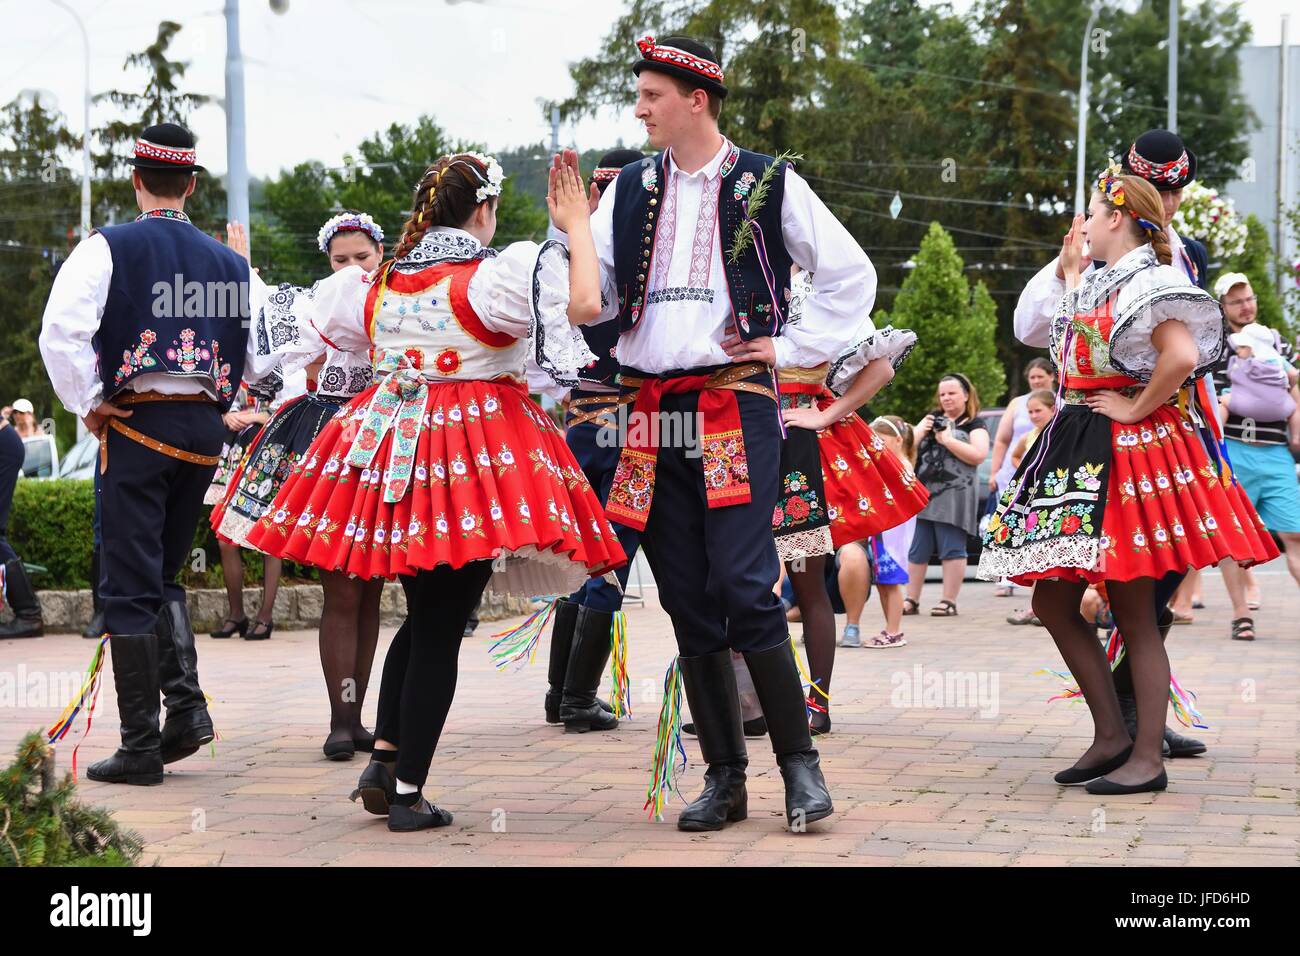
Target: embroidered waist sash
(726,475)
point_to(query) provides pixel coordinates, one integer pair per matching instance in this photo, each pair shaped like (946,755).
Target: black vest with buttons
(636,219)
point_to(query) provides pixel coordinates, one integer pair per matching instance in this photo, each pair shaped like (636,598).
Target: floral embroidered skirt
(838,485)
(232,453)
(491,476)
(269,461)
(1095,500)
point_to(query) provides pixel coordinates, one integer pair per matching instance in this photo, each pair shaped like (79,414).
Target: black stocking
(1133,604)
(347,648)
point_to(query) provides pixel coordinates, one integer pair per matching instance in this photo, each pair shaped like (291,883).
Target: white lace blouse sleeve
(296,323)
(871,344)
(1156,295)
(524,291)
(1032,320)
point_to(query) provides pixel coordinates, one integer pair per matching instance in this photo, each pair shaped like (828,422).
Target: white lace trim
(556,346)
(1073,552)
(236,527)
(804,544)
(888,343)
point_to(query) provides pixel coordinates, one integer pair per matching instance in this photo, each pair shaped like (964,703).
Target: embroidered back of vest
(642,243)
(427,316)
(177,305)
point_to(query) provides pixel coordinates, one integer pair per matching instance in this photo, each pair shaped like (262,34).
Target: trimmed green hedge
(52,524)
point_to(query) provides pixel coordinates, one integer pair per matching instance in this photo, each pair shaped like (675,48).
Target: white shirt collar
(708,171)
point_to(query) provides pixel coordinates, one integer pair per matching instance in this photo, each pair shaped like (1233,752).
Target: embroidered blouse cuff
(558,348)
(888,343)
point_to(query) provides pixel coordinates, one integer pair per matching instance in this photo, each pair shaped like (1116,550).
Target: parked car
(41,457)
(82,458)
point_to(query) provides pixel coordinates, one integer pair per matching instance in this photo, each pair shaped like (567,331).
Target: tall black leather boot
(22,600)
(580,710)
(188,726)
(715,710)
(96,627)
(135,675)
(780,692)
(565,620)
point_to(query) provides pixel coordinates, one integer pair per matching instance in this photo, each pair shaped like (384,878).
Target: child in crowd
(889,549)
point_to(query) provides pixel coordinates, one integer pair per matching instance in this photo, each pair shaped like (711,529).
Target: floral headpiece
(348,222)
(491,184)
(1110,185)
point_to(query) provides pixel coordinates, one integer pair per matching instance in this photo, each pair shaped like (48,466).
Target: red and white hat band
(677,57)
(602,173)
(167,154)
(1169,172)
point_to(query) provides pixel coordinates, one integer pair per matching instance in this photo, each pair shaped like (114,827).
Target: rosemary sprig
(744,236)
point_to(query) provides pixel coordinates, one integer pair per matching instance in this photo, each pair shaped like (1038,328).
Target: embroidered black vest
(177,304)
(638,202)
(602,340)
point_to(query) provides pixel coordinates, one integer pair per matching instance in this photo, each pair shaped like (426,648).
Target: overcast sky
(327,73)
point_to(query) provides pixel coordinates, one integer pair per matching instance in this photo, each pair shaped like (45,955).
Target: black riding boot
(188,726)
(780,692)
(135,675)
(715,710)
(23,602)
(566,619)
(580,710)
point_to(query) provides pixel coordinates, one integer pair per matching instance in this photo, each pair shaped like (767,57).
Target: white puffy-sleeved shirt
(687,333)
(72,317)
(1032,321)
(522,292)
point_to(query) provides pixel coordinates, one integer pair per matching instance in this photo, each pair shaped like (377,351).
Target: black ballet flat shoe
(752,728)
(343,749)
(423,816)
(365,743)
(1077,775)
(1105,788)
(819,724)
(376,788)
(230,627)
(256,632)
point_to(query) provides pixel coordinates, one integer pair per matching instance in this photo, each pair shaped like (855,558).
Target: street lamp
(1082,134)
(85,131)
(236,150)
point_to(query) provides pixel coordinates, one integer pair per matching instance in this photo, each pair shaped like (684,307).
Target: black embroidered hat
(611,164)
(166,146)
(1162,159)
(683,58)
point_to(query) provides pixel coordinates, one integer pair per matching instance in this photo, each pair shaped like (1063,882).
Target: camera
(941,421)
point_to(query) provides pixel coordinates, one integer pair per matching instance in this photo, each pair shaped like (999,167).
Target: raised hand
(1071,261)
(566,198)
(237,238)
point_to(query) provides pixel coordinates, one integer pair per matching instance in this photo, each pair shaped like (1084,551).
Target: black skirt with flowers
(801,522)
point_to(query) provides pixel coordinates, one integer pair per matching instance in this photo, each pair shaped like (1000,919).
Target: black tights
(818,622)
(1164,593)
(419,678)
(1056,603)
(349,631)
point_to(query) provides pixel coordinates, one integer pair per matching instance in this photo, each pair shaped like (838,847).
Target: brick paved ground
(912,784)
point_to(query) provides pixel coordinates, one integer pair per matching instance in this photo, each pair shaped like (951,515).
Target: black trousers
(716,567)
(12,453)
(149,508)
(420,671)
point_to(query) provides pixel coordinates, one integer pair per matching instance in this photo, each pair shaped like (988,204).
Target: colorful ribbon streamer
(518,645)
(618,679)
(87,697)
(668,745)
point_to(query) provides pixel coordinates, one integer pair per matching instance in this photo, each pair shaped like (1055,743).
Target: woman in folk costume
(1119,488)
(349,624)
(839,484)
(445,464)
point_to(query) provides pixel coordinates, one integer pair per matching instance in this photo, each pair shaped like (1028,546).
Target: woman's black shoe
(260,631)
(753,728)
(819,723)
(1106,788)
(376,788)
(1077,775)
(342,749)
(423,816)
(229,627)
(365,743)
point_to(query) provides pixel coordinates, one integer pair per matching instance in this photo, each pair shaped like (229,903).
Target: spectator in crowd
(951,443)
(1015,424)
(890,549)
(23,417)
(1040,406)
(1255,407)
(15,588)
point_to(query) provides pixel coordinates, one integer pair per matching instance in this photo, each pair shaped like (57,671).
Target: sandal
(911,606)
(944,608)
(1023,616)
(885,639)
(229,627)
(260,631)
(1243,629)
(1004,590)
(1180,618)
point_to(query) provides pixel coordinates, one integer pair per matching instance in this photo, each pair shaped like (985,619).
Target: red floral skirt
(853,489)
(1162,505)
(491,476)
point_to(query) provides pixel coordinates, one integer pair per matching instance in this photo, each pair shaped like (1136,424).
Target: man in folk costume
(699,277)
(144,338)
(1162,159)
(582,636)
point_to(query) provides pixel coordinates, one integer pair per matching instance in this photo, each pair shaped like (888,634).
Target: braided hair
(445,196)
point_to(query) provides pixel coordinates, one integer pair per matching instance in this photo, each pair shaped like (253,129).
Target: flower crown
(1110,185)
(348,222)
(491,184)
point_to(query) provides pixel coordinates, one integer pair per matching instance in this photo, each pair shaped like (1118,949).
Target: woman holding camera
(951,443)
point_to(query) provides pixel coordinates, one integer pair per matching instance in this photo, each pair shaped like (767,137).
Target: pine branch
(744,235)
